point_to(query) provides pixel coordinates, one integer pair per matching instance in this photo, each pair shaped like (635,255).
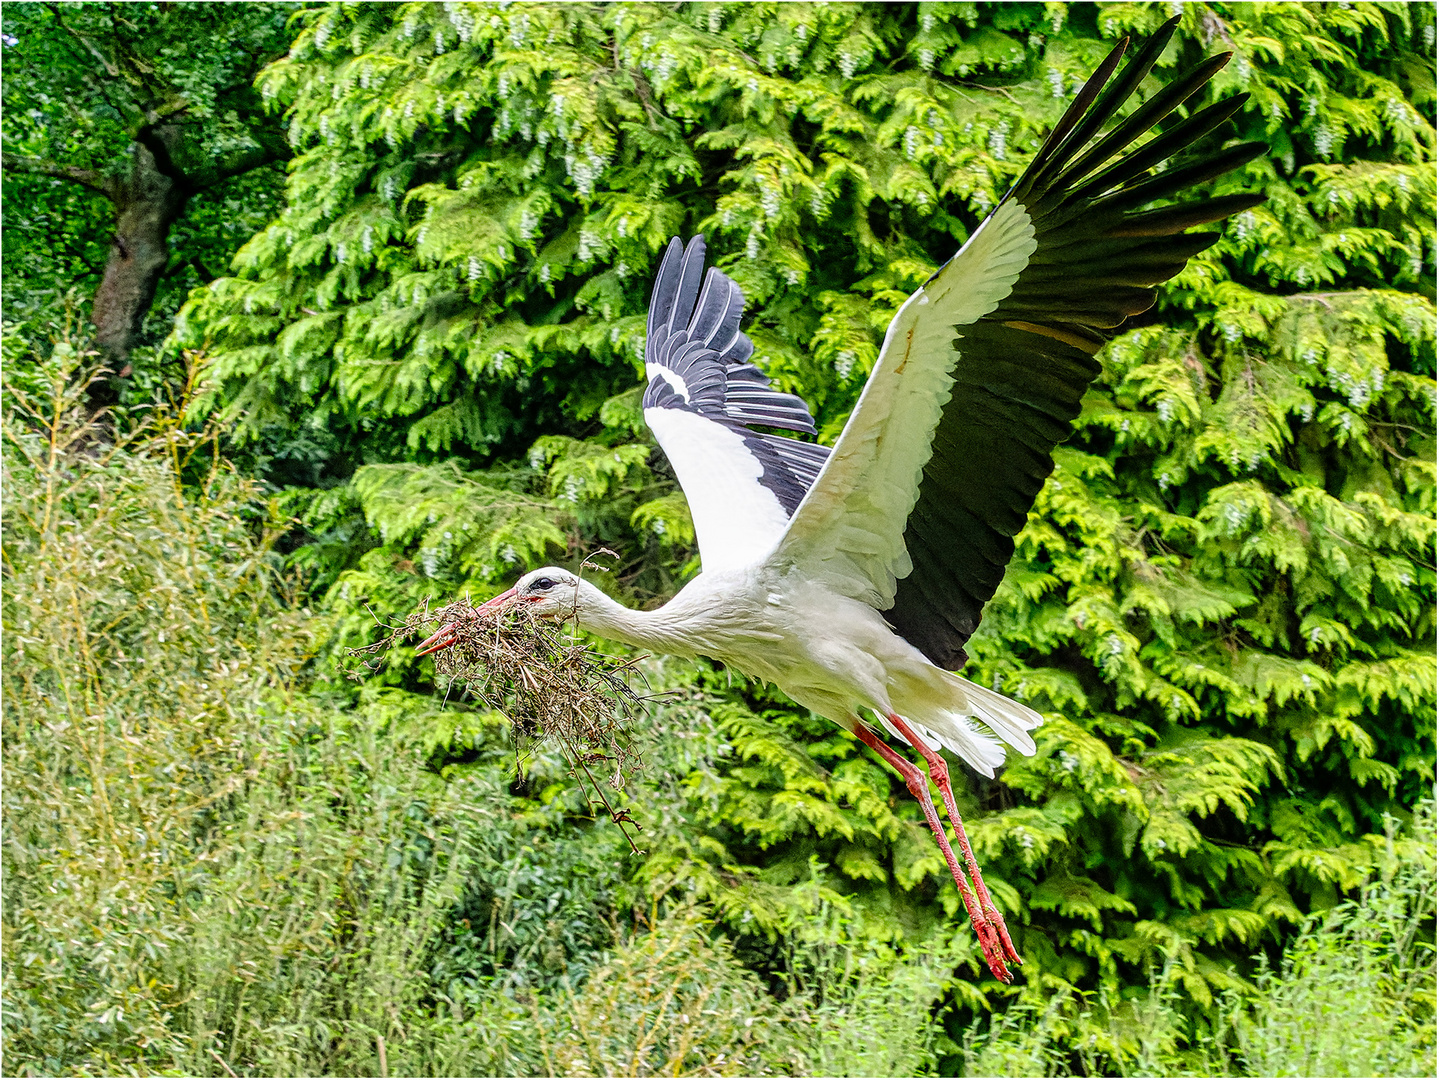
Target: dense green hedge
(1224,598)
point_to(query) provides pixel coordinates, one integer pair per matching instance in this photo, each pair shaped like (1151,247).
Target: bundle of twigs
(545,680)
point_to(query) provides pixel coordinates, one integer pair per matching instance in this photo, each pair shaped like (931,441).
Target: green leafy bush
(1224,597)
(1352,996)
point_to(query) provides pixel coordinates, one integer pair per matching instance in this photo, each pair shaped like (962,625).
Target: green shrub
(1353,994)
(1224,598)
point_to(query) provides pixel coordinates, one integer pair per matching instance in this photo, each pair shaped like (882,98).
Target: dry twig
(545,680)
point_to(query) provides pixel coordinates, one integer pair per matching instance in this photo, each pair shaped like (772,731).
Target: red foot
(988,924)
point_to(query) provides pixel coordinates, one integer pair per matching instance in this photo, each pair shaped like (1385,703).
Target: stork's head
(547,593)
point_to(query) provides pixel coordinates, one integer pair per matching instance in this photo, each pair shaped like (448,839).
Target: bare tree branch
(109,65)
(90,178)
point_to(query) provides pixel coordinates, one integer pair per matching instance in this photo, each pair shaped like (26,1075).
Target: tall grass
(204,870)
(1352,995)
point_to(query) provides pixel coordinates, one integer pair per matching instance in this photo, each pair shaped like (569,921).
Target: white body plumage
(830,653)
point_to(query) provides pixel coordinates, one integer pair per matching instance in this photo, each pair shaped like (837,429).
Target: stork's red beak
(446,635)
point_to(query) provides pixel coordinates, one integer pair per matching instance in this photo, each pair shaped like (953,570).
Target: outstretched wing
(982,370)
(703,395)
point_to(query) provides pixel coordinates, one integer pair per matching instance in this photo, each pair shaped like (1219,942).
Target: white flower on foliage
(769,200)
(997,139)
(589,244)
(911,141)
(509,554)
(472,273)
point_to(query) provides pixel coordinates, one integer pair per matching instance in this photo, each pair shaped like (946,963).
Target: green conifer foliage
(1224,598)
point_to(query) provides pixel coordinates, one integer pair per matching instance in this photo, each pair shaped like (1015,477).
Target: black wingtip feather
(1022,370)
(694,333)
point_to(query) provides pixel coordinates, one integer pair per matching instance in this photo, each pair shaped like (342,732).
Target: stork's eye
(543,585)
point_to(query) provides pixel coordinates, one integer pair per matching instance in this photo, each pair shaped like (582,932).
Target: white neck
(652,630)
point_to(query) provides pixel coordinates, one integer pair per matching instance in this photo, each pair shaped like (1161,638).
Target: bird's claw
(989,941)
(996,922)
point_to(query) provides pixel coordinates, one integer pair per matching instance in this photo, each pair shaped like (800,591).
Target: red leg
(914,780)
(939,773)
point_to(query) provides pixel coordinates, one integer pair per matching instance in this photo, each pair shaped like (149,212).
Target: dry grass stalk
(546,681)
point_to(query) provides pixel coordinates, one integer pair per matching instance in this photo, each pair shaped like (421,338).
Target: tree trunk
(147,203)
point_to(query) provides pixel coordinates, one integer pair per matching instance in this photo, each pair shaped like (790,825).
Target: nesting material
(546,681)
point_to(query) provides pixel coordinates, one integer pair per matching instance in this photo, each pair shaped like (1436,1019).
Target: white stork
(852,577)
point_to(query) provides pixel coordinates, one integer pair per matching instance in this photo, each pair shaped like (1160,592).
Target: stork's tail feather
(945,711)
(1010,720)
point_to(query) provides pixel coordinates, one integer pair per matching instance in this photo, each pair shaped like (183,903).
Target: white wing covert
(702,395)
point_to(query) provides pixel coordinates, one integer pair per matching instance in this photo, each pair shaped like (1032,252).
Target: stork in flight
(852,577)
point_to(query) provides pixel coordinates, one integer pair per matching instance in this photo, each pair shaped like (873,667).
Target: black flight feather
(694,336)
(1021,371)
